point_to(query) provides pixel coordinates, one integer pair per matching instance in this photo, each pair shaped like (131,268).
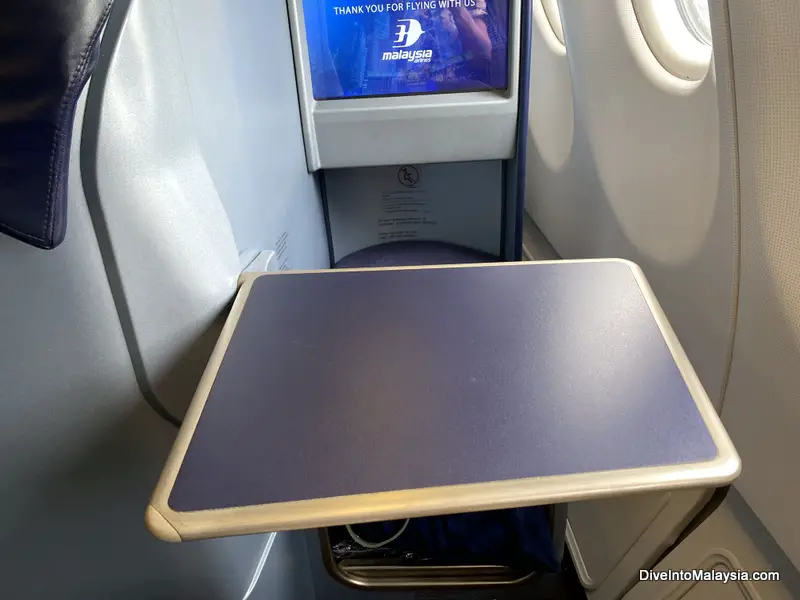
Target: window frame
(676,47)
(553,14)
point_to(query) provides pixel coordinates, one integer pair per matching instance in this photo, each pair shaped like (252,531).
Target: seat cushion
(413,254)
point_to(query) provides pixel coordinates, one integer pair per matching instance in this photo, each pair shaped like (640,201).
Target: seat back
(197,162)
(48,51)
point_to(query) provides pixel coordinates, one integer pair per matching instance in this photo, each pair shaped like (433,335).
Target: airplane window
(554,17)
(678,34)
(696,17)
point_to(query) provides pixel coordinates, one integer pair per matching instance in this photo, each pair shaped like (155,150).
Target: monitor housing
(401,129)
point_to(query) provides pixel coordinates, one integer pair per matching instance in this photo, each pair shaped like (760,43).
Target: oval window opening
(553,15)
(696,18)
(678,33)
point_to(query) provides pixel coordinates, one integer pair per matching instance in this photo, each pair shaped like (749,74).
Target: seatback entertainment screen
(360,49)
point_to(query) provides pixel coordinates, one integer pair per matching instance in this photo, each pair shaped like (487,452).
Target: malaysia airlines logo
(408,33)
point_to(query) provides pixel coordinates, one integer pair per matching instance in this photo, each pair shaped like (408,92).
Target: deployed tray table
(348,396)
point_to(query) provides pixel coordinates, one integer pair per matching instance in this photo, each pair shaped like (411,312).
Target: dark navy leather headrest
(48,49)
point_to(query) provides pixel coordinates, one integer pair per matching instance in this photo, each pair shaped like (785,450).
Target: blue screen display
(359,49)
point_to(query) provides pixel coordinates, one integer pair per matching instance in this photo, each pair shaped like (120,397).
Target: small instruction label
(406,215)
(282,252)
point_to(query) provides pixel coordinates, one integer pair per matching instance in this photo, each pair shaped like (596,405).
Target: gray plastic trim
(367,132)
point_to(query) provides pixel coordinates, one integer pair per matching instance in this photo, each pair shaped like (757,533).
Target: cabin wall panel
(626,160)
(732,539)
(762,404)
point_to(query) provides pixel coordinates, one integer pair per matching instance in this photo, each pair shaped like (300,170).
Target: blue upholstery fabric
(413,254)
(48,49)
